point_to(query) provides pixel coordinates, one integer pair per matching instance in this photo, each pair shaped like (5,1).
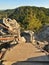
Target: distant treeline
(31,18)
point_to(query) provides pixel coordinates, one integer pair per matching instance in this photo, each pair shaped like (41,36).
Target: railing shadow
(41,60)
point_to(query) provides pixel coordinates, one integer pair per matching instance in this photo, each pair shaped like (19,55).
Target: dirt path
(21,52)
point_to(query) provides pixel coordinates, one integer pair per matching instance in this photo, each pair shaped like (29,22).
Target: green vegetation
(6,13)
(31,18)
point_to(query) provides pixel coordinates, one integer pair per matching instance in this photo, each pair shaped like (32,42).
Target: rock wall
(43,35)
(12,25)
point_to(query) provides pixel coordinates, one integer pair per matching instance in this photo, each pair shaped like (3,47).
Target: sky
(11,4)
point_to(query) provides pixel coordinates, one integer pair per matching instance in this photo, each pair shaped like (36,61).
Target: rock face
(12,25)
(9,26)
(43,35)
(9,30)
(28,35)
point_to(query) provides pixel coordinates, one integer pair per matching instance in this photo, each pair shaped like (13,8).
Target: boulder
(22,39)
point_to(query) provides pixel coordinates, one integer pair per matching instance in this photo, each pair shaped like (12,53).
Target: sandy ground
(21,52)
